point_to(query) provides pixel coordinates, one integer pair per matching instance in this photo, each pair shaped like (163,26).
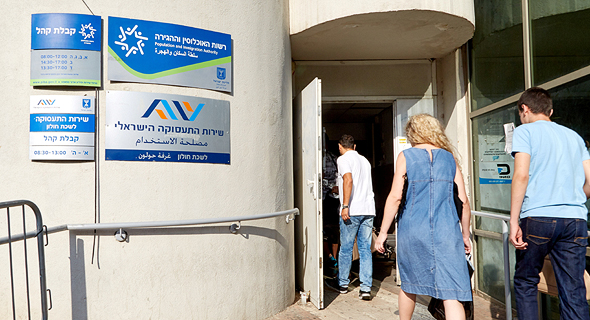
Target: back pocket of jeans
(539,231)
(581,232)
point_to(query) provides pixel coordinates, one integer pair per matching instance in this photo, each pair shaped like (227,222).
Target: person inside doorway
(357,212)
(330,206)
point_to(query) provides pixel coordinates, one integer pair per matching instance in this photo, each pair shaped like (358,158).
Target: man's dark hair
(347,141)
(537,99)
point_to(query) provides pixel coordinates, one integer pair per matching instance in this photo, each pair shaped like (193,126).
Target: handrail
(153,224)
(506,251)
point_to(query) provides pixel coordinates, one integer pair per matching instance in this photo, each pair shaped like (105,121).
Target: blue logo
(85,103)
(503,169)
(221,73)
(168,112)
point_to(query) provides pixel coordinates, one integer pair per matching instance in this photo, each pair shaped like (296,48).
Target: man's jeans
(565,241)
(361,228)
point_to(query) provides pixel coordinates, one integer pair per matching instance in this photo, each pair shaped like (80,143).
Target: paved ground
(382,306)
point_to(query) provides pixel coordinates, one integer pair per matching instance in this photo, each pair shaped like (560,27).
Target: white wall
(183,273)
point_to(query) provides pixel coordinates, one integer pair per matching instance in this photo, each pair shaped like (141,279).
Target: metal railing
(159,224)
(38,233)
(121,236)
(506,253)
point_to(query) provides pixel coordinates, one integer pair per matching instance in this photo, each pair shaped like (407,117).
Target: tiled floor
(382,306)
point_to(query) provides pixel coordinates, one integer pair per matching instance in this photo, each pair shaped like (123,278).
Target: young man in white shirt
(357,210)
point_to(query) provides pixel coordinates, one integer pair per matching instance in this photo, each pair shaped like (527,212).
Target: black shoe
(333,284)
(365,295)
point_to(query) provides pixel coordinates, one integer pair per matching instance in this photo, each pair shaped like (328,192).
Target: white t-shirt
(362,200)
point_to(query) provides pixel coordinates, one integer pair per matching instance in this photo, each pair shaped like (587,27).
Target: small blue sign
(66,31)
(55,122)
(494,181)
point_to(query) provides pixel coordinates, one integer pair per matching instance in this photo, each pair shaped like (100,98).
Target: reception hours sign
(61,128)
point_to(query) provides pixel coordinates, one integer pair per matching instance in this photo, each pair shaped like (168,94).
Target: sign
(163,53)
(65,31)
(495,172)
(66,50)
(62,128)
(167,128)
(65,68)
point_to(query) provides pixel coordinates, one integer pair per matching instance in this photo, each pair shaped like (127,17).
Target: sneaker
(365,295)
(333,284)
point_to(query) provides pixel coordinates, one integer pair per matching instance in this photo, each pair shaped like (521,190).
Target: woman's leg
(406,302)
(454,310)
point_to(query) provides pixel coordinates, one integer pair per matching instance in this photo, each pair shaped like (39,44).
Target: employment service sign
(61,127)
(163,53)
(167,128)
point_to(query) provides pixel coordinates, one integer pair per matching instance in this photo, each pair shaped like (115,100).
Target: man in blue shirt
(550,185)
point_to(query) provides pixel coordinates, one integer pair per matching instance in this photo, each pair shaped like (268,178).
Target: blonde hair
(424,128)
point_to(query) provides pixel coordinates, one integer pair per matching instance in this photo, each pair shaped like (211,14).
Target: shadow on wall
(77,256)
(78,282)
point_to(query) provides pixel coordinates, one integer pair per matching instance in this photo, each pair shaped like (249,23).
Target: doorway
(371,125)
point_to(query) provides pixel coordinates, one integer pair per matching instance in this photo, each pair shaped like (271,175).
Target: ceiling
(351,112)
(408,34)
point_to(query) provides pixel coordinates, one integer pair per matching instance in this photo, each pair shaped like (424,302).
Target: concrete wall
(308,13)
(182,273)
(453,107)
(365,79)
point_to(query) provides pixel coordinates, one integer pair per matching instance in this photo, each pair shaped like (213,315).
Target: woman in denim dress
(431,241)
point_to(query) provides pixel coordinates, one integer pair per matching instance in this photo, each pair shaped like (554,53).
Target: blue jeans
(361,228)
(565,241)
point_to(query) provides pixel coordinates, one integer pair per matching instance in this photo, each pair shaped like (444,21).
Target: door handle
(312,184)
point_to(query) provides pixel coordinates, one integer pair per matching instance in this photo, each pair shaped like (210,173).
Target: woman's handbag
(458,202)
(436,306)
(402,203)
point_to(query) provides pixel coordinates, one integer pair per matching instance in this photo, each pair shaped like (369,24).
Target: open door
(307,135)
(403,109)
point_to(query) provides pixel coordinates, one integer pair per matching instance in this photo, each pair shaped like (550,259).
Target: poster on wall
(495,173)
(65,50)
(163,53)
(61,127)
(167,128)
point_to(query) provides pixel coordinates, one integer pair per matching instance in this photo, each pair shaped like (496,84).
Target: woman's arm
(466,217)
(393,201)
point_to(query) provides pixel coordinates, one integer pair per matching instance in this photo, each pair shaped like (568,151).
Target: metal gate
(15,211)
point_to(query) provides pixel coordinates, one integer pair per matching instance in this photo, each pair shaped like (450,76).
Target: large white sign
(163,127)
(61,128)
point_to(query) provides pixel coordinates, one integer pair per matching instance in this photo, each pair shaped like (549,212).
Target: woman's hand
(467,244)
(380,242)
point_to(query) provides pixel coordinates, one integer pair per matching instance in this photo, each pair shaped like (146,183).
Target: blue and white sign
(62,128)
(163,53)
(166,128)
(66,50)
(495,172)
(65,31)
